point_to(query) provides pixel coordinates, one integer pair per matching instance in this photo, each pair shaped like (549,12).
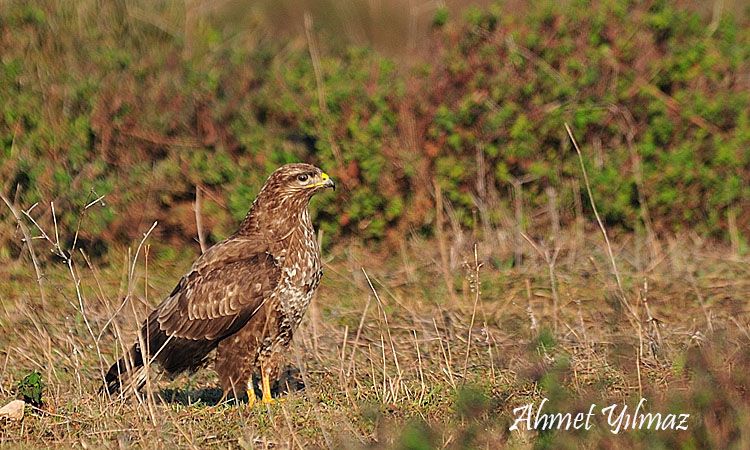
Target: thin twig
(550,260)
(387,328)
(27,238)
(477,295)
(616,272)
(356,339)
(199,220)
(442,246)
(130,276)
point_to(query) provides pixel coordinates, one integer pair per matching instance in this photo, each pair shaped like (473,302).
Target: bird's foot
(266,389)
(268,400)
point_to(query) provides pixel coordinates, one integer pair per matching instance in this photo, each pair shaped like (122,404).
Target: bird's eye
(302,178)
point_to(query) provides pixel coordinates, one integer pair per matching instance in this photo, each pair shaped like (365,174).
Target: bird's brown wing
(224,288)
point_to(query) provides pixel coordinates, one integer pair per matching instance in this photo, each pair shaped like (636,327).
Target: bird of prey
(244,297)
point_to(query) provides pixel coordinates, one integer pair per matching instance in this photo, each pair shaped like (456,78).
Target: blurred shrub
(95,100)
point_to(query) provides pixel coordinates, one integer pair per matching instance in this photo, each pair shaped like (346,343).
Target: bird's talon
(271,400)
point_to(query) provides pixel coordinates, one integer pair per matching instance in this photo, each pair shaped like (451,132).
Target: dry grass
(391,359)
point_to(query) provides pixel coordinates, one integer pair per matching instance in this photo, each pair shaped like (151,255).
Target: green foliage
(536,71)
(441,17)
(471,402)
(120,110)
(545,341)
(31,388)
(417,435)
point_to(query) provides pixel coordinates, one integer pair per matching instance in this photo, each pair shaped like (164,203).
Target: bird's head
(291,186)
(281,204)
(298,179)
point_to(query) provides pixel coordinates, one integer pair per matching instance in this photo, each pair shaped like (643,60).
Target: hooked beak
(327,181)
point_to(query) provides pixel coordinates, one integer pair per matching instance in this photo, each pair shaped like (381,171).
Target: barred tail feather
(126,373)
(171,355)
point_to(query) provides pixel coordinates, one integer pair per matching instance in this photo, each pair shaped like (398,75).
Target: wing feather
(224,288)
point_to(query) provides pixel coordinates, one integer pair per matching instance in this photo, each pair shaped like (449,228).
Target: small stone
(13,410)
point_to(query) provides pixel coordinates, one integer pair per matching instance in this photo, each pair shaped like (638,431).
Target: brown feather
(245,295)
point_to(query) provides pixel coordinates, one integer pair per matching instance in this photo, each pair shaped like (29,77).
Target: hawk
(244,297)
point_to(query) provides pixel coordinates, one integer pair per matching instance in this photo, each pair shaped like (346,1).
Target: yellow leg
(250,396)
(266,388)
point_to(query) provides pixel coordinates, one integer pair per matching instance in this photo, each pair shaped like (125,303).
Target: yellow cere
(323,176)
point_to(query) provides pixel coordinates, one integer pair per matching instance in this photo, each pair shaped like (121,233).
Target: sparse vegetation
(471,266)
(409,382)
